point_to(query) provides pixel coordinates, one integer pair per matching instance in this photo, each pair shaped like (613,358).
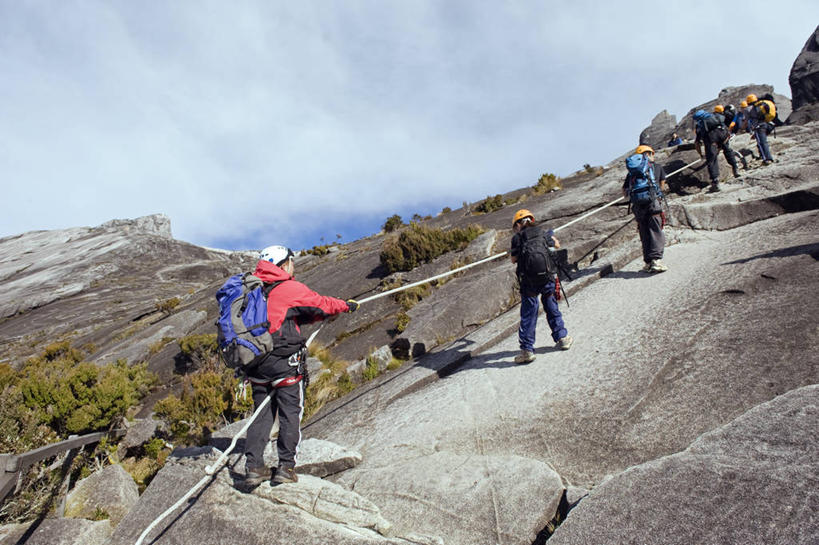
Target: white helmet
(276,254)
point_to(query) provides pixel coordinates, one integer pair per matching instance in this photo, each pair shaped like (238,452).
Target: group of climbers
(532,251)
(714,130)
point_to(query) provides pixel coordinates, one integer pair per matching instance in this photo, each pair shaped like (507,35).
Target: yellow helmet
(750,99)
(643,149)
(522,214)
(719,108)
(743,104)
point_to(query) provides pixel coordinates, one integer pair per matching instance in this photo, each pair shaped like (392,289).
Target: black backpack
(536,265)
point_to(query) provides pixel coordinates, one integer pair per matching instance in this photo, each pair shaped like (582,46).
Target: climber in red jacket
(290,304)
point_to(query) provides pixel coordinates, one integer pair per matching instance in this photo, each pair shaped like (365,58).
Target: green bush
(168,305)
(547,183)
(324,249)
(393,222)
(490,204)
(71,396)
(54,395)
(201,349)
(410,297)
(420,244)
(402,320)
(206,403)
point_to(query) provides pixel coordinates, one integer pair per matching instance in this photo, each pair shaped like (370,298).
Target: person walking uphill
(290,304)
(536,271)
(760,113)
(711,131)
(644,187)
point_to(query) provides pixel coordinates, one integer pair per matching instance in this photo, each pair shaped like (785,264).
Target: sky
(254,123)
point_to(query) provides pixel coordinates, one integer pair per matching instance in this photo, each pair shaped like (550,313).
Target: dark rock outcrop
(660,131)
(804,82)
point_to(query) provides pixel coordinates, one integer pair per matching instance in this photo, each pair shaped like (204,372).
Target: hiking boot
(256,476)
(714,187)
(646,267)
(736,173)
(565,343)
(657,266)
(525,356)
(285,474)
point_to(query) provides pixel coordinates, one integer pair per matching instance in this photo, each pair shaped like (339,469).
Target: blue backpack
(642,189)
(242,328)
(707,121)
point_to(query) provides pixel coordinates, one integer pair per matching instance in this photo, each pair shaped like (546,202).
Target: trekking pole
(211,470)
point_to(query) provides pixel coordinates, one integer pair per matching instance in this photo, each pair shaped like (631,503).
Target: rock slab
(754,480)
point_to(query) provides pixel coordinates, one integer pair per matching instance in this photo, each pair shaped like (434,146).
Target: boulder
(804,82)
(304,513)
(139,432)
(109,493)
(753,480)
(57,531)
(382,358)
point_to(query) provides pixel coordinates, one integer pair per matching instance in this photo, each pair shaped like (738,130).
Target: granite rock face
(57,531)
(753,480)
(804,82)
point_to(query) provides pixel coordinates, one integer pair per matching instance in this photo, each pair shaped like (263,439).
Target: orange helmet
(522,214)
(643,149)
(743,104)
(719,108)
(750,99)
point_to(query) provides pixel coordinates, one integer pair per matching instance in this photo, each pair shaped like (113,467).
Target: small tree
(393,222)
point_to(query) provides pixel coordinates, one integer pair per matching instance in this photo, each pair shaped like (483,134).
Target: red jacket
(291,303)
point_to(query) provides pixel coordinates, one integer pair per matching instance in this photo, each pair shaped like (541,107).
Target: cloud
(256,121)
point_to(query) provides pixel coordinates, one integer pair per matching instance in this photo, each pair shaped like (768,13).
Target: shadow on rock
(808,249)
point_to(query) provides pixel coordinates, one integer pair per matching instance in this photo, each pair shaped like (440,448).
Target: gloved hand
(352,305)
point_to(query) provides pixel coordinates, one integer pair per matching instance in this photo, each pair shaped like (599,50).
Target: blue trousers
(761,134)
(528,316)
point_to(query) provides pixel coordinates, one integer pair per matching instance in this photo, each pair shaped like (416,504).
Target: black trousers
(729,154)
(288,403)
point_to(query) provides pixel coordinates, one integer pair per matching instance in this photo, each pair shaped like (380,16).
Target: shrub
(54,395)
(490,204)
(168,305)
(420,244)
(201,349)
(156,347)
(393,222)
(324,249)
(547,183)
(402,320)
(71,397)
(446,210)
(410,297)
(206,403)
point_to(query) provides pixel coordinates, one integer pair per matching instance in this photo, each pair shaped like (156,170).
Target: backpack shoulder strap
(271,286)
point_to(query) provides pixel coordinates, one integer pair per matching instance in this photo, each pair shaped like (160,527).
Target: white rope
(436,277)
